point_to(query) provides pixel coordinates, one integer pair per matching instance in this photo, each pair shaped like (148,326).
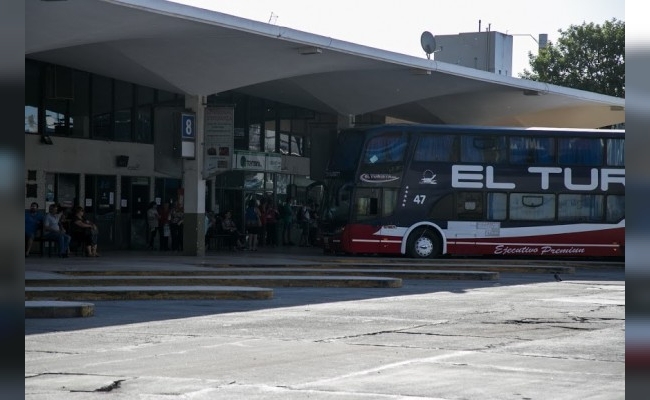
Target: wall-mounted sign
(218,140)
(249,160)
(273,162)
(255,161)
(188,126)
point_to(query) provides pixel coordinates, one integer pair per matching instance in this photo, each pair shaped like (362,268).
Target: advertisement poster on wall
(218,140)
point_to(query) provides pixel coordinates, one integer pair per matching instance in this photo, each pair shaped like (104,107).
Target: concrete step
(97,293)
(299,272)
(58,309)
(198,278)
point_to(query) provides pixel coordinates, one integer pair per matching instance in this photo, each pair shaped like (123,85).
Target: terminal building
(128,102)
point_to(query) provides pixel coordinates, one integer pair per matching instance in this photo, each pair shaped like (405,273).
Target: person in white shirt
(52,229)
(152,222)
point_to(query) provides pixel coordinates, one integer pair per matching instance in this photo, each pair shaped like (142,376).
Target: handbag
(166,231)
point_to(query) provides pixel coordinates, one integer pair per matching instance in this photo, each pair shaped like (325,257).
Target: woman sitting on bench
(230,228)
(84,232)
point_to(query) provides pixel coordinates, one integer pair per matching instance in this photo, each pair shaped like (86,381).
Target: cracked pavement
(523,337)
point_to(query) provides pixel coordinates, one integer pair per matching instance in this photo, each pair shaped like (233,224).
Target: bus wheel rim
(424,246)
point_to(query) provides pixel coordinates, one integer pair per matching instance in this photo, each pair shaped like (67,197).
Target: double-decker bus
(430,190)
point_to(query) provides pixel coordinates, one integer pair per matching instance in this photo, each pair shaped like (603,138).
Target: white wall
(83,156)
(87,156)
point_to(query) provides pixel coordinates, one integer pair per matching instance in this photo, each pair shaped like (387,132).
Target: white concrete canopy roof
(195,51)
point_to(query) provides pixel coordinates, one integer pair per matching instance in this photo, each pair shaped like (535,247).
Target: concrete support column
(194,187)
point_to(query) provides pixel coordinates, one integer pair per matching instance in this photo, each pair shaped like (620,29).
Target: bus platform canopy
(189,50)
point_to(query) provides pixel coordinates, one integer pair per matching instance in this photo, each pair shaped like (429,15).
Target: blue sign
(188,127)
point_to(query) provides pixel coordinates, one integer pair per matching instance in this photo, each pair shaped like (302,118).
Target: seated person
(84,232)
(229,227)
(33,222)
(52,230)
(210,228)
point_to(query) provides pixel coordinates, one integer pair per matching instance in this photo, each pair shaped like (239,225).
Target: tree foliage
(589,57)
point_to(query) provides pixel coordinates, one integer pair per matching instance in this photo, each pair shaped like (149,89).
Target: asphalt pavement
(523,336)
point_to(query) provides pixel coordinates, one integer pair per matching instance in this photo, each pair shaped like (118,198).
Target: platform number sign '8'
(187,126)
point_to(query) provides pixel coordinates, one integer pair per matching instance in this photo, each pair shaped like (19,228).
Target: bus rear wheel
(423,243)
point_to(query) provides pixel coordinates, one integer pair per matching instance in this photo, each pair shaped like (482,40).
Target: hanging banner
(218,141)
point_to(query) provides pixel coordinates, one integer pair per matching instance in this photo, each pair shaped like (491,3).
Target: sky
(397,25)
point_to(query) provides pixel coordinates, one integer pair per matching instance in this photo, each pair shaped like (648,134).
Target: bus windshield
(346,154)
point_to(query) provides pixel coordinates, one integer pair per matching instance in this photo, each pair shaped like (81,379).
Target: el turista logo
(477,177)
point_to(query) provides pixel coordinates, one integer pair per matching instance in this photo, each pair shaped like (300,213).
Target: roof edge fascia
(302,38)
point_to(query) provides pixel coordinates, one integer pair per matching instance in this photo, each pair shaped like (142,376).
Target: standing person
(313,228)
(271,217)
(261,238)
(52,229)
(176,226)
(152,223)
(84,231)
(305,223)
(286,218)
(33,221)
(163,227)
(253,224)
(211,228)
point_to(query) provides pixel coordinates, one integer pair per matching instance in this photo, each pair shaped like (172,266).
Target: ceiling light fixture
(305,51)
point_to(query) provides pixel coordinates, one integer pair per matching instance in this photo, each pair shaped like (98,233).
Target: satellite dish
(428,43)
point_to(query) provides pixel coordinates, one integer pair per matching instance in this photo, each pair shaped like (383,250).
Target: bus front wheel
(423,243)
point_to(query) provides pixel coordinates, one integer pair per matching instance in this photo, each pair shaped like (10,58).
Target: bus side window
(436,148)
(580,207)
(366,207)
(616,152)
(469,206)
(532,207)
(615,208)
(479,149)
(389,202)
(532,150)
(497,206)
(580,151)
(366,204)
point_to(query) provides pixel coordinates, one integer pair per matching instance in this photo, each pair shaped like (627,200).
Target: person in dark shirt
(33,221)
(84,231)
(164,229)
